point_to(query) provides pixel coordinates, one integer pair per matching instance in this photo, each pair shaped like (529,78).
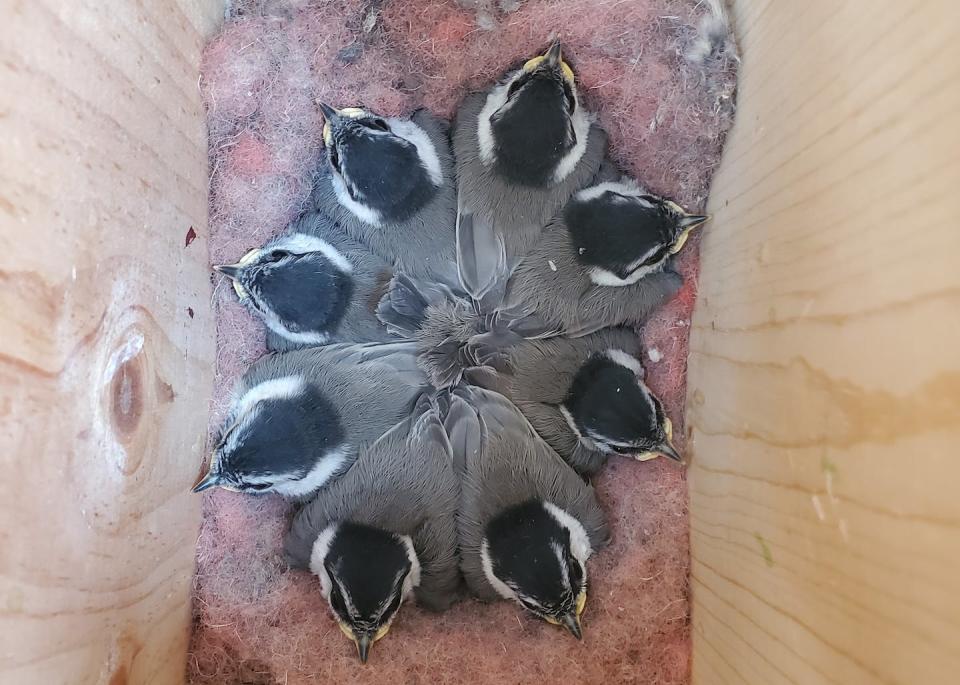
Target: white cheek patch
(608,279)
(361,211)
(301,243)
(426,150)
(347,599)
(319,552)
(496,99)
(596,442)
(626,361)
(501,588)
(557,550)
(570,422)
(625,186)
(413,577)
(651,405)
(285,387)
(587,440)
(303,338)
(322,472)
(579,540)
(581,127)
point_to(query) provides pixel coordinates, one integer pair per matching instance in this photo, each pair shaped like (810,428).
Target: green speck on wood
(764,549)
(828,466)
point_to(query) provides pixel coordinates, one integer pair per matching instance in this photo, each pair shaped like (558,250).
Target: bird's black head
(369,573)
(536,554)
(299,284)
(388,168)
(283,436)
(533,129)
(609,406)
(622,233)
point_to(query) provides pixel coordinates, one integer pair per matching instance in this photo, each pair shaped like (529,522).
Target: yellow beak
(332,115)
(666,449)
(231,271)
(554,54)
(688,222)
(363,642)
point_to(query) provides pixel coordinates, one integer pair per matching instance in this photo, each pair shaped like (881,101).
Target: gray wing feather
(436,538)
(462,426)
(632,304)
(481,259)
(402,482)
(549,423)
(608,171)
(403,308)
(512,464)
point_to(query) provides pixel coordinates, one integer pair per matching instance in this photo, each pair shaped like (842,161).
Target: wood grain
(824,376)
(107,349)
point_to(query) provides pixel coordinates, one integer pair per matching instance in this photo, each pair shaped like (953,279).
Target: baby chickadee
(312,285)
(585,397)
(298,418)
(603,261)
(389,183)
(385,530)
(527,523)
(523,147)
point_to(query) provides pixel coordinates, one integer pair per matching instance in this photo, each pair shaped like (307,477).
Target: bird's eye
(623,449)
(656,256)
(377,125)
(334,158)
(277,255)
(515,86)
(531,608)
(256,487)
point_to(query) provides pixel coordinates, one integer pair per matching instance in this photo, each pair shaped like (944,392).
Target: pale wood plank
(824,375)
(104,374)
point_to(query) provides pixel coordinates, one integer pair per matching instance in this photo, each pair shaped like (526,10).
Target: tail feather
(443,339)
(403,308)
(455,339)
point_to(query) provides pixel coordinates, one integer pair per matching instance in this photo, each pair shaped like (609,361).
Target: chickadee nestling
(312,285)
(527,523)
(523,147)
(299,418)
(385,530)
(586,397)
(603,261)
(390,183)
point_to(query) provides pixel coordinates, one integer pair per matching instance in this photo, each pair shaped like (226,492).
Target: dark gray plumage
(521,153)
(509,475)
(603,261)
(402,484)
(298,418)
(313,285)
(584,396)
(393,189)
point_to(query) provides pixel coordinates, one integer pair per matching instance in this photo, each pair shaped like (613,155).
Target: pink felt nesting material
(254,620)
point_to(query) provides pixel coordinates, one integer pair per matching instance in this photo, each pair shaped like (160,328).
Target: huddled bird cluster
(453,353)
